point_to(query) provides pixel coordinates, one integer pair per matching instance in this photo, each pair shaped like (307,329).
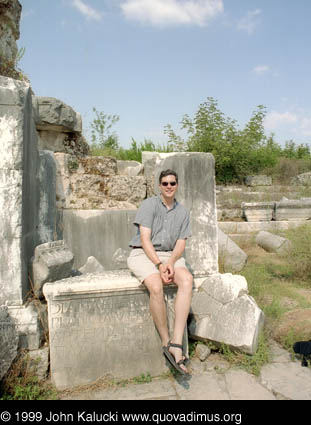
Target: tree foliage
(237,152)
(101,130)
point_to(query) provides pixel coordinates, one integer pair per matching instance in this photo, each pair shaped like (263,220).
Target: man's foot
(173,352)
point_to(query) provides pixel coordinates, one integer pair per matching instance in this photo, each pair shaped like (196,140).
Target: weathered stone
(39,363)
(273,243)
(293,210)
(260,180)
(31,321)
(130,168)
(53,114)
(92,265)
(222,312)
(8,341)
(196,174)
(98,165)
(101,324)
(19,194)
(88,233)
(231,256)
(258,211)
(202,351)
(52,261)
(92,183)
(120,257)
(302,179)
(70,143)
(122,188)
(10,14)
(47,228)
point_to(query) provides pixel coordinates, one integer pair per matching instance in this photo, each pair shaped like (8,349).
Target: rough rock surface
(231,256)
(10,14)
(273,243)
(260,180)
(222,312)
(302,179)
(8,341)
(52,261)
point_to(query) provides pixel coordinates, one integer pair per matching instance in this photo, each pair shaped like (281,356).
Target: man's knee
(184,280)
(154,285)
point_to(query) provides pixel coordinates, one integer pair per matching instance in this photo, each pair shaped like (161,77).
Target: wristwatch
(158,265)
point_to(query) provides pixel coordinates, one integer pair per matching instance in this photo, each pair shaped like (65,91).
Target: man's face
(168,186)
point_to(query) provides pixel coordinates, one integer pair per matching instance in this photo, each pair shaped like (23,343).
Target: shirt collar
(174,206)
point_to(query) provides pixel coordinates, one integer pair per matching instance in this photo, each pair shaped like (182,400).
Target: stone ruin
(65,223)
(61,210)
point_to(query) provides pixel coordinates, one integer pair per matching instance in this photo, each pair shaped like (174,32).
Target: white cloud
(163,13)
(87,10)
(261,69)
(276,119)
(249,22)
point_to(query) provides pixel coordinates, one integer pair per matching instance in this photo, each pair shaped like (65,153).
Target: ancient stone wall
(10,13)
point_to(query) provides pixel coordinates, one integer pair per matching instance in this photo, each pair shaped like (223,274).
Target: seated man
(156,260)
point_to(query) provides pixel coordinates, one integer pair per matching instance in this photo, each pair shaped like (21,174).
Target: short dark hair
(168,172)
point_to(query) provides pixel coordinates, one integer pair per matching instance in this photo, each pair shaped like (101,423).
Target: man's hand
(171,271)
(165,273)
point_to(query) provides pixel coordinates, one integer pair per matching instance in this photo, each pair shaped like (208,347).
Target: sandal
(172,360)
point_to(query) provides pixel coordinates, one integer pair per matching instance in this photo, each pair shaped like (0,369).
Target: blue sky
(152,61)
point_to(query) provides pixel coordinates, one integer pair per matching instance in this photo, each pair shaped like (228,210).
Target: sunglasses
(169,183)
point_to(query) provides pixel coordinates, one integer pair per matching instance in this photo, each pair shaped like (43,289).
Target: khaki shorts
(142,266)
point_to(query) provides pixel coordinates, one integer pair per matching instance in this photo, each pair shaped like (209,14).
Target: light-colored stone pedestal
(101,325)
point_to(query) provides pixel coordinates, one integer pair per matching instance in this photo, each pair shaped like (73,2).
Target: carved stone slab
(100,325)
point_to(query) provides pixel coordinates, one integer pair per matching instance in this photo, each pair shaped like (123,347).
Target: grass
(20,384)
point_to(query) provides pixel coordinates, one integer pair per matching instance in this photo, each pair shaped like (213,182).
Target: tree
(237,152)
(101,134)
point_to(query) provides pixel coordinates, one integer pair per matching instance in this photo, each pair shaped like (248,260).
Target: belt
(157,250)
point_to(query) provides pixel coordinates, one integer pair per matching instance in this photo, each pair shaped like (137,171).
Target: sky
(152,61)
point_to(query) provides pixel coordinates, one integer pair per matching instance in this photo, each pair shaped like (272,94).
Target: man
(156,260)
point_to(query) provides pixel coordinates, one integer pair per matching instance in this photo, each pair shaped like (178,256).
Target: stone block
(88,233)
(55,141)
(52,261)
(260,180)
(47,228)
(39,363)
(19,193)
(293,210)
(92,265)
(8,341)
(302,179)
(258,211)
(130,168)
(222,312)
(196,191)
(231,256)
(10,14)
(31,324)
(53,114)
(100,325)
(273,243)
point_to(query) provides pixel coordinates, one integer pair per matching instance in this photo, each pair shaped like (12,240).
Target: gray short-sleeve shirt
(167,226)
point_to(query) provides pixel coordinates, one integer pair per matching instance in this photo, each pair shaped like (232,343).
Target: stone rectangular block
(293,210)
(258,211)
(196,192)
(18,189)
(100,325)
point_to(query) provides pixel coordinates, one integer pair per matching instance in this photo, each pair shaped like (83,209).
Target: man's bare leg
(157,305)
(184,282)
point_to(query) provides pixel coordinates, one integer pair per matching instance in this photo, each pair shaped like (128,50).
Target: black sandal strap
(170,344)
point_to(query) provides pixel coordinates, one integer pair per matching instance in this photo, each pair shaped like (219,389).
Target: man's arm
(145,237)
(177,253)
